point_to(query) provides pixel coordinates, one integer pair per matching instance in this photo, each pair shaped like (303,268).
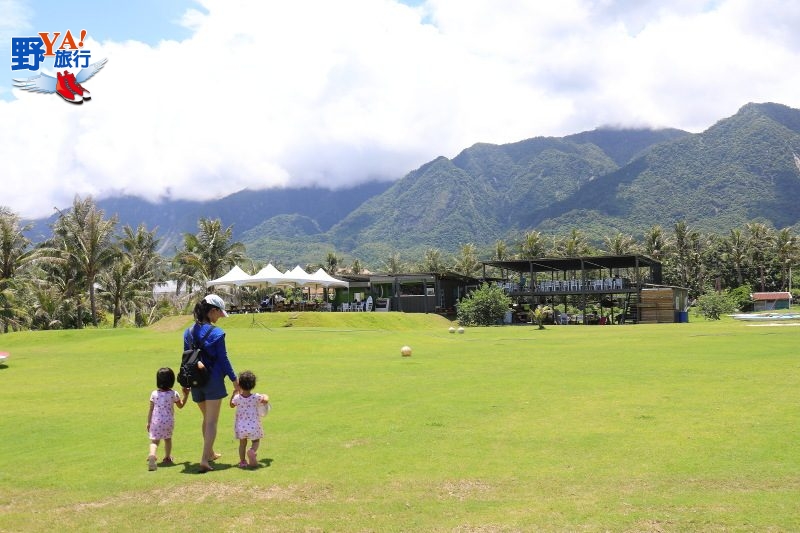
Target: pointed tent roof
(326,280)
(296,276)
(269,275)
(235,277)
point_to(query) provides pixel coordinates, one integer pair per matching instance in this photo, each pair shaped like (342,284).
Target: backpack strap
(203,338)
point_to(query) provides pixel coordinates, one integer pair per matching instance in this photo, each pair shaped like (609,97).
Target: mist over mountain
(743,168)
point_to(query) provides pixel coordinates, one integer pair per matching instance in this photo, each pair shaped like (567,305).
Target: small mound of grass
(313,319)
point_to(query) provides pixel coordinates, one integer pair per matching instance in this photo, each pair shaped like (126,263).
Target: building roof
(782,295)
(561,264)
(419,277)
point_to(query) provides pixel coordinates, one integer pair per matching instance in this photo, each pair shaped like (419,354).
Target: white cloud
(335,93)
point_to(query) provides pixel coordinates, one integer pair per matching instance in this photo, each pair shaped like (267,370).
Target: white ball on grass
(405,351)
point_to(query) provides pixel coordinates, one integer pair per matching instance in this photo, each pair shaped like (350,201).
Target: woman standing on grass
(209,397)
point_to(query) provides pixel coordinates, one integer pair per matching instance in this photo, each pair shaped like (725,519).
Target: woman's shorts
(213,390)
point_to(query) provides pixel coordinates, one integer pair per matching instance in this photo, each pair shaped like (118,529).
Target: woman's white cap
(216,301)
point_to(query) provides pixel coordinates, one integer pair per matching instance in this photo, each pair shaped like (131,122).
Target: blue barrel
(682,316)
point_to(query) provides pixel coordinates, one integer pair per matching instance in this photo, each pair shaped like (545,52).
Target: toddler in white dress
(250,407)
(161,416)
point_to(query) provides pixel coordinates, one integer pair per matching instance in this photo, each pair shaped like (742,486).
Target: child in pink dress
(248,418)
(161,417)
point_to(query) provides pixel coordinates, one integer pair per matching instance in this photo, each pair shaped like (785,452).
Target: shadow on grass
(263,463)
(194,468)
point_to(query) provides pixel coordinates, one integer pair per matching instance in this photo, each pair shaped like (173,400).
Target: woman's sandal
(204,469)
(168,461)
(151,463)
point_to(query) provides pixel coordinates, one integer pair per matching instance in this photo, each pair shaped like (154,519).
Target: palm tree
(433,261)
(655,242)
(574,245)
(15,253)
(759,241)
(147,267)
(787,252)
(14,246)
(713,260)
(467,262)
(117,285)
(532,245)
(84,237)
(500,250)
(393,265)
(332,263)
(50,307)
(14,310)
(208,254)
(736,252)
(57,270)
(620,244)
(682,251)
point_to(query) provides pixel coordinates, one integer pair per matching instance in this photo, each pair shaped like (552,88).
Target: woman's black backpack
(193,372)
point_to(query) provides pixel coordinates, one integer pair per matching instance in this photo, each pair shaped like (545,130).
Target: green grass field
(670,427)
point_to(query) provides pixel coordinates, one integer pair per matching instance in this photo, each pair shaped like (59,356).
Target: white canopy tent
(269,275)
(297,277)
(236,277)
(324,279)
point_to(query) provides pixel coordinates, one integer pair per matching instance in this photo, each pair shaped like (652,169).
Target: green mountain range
(743,168)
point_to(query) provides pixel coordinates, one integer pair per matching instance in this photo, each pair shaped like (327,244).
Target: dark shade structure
(606,280)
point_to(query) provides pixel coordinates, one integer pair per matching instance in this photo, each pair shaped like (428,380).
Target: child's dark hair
(201,310)
(247,380)
(165,378)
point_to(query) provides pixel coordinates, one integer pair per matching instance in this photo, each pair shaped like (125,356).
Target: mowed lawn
(671,427)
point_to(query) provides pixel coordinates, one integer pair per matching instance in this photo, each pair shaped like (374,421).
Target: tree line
(91,272)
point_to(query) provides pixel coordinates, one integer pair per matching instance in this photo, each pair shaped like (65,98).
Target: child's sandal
(251,455)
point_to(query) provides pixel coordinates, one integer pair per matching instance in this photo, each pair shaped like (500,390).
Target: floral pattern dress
(248,423)
(163,420)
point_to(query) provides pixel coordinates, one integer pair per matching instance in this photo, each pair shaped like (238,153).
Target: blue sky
(200,99)
(148,21)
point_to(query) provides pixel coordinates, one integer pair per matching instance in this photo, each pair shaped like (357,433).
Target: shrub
(483,307)
(741,296)
(712,305)
(541,313)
